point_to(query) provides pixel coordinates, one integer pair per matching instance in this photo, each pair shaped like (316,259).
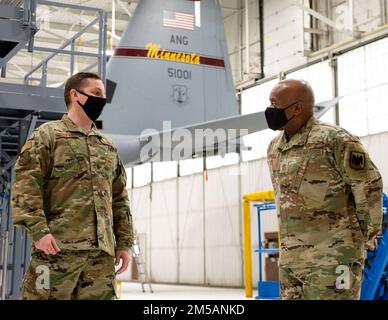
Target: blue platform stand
(267,290)
(375,282)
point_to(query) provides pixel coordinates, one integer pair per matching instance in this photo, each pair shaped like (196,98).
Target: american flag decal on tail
(178,20)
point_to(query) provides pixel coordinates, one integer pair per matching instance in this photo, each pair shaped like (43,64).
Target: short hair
(75,82)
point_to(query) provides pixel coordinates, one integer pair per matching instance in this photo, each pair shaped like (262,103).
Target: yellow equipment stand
(261,196)
(118,289)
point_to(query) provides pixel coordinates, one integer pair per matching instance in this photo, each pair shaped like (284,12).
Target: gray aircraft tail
(171,64)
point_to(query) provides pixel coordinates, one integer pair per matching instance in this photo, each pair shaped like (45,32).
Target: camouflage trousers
(70,275)
(339,282)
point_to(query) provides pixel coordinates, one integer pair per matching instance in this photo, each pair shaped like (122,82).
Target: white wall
(377,147)
(283,25)
(284,38)
(363,82)
(234,22)
(164,253)
(191,230)
(223,228)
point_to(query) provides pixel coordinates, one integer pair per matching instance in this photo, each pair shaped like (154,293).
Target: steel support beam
(119,2)
(383,11)
(247,47)
(4,263)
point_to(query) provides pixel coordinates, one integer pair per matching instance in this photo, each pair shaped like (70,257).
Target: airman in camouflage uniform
(71,183)
(329,199)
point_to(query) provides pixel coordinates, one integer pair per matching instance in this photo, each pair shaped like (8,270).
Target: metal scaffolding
(18,26)
(100,56)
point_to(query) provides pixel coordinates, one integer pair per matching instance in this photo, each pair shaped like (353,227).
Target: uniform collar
(299,138)
(71,126)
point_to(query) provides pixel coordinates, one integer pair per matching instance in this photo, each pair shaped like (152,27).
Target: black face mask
(93,106)
(277,118)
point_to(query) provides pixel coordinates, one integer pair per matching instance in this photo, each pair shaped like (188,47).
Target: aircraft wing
(212,137)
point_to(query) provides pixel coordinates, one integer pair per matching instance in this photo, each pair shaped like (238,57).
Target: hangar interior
(188,214)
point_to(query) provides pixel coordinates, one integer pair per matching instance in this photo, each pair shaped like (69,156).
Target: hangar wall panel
(140,204)
(377,148)
(283,41)
(191,230)
(164,231)
(363,83)
(223,228)
(284,37)
(233,35)
(234,22)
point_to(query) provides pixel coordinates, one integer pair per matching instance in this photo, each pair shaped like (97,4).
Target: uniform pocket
(291,173)
(315,180)
(313,191)
(68,160)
